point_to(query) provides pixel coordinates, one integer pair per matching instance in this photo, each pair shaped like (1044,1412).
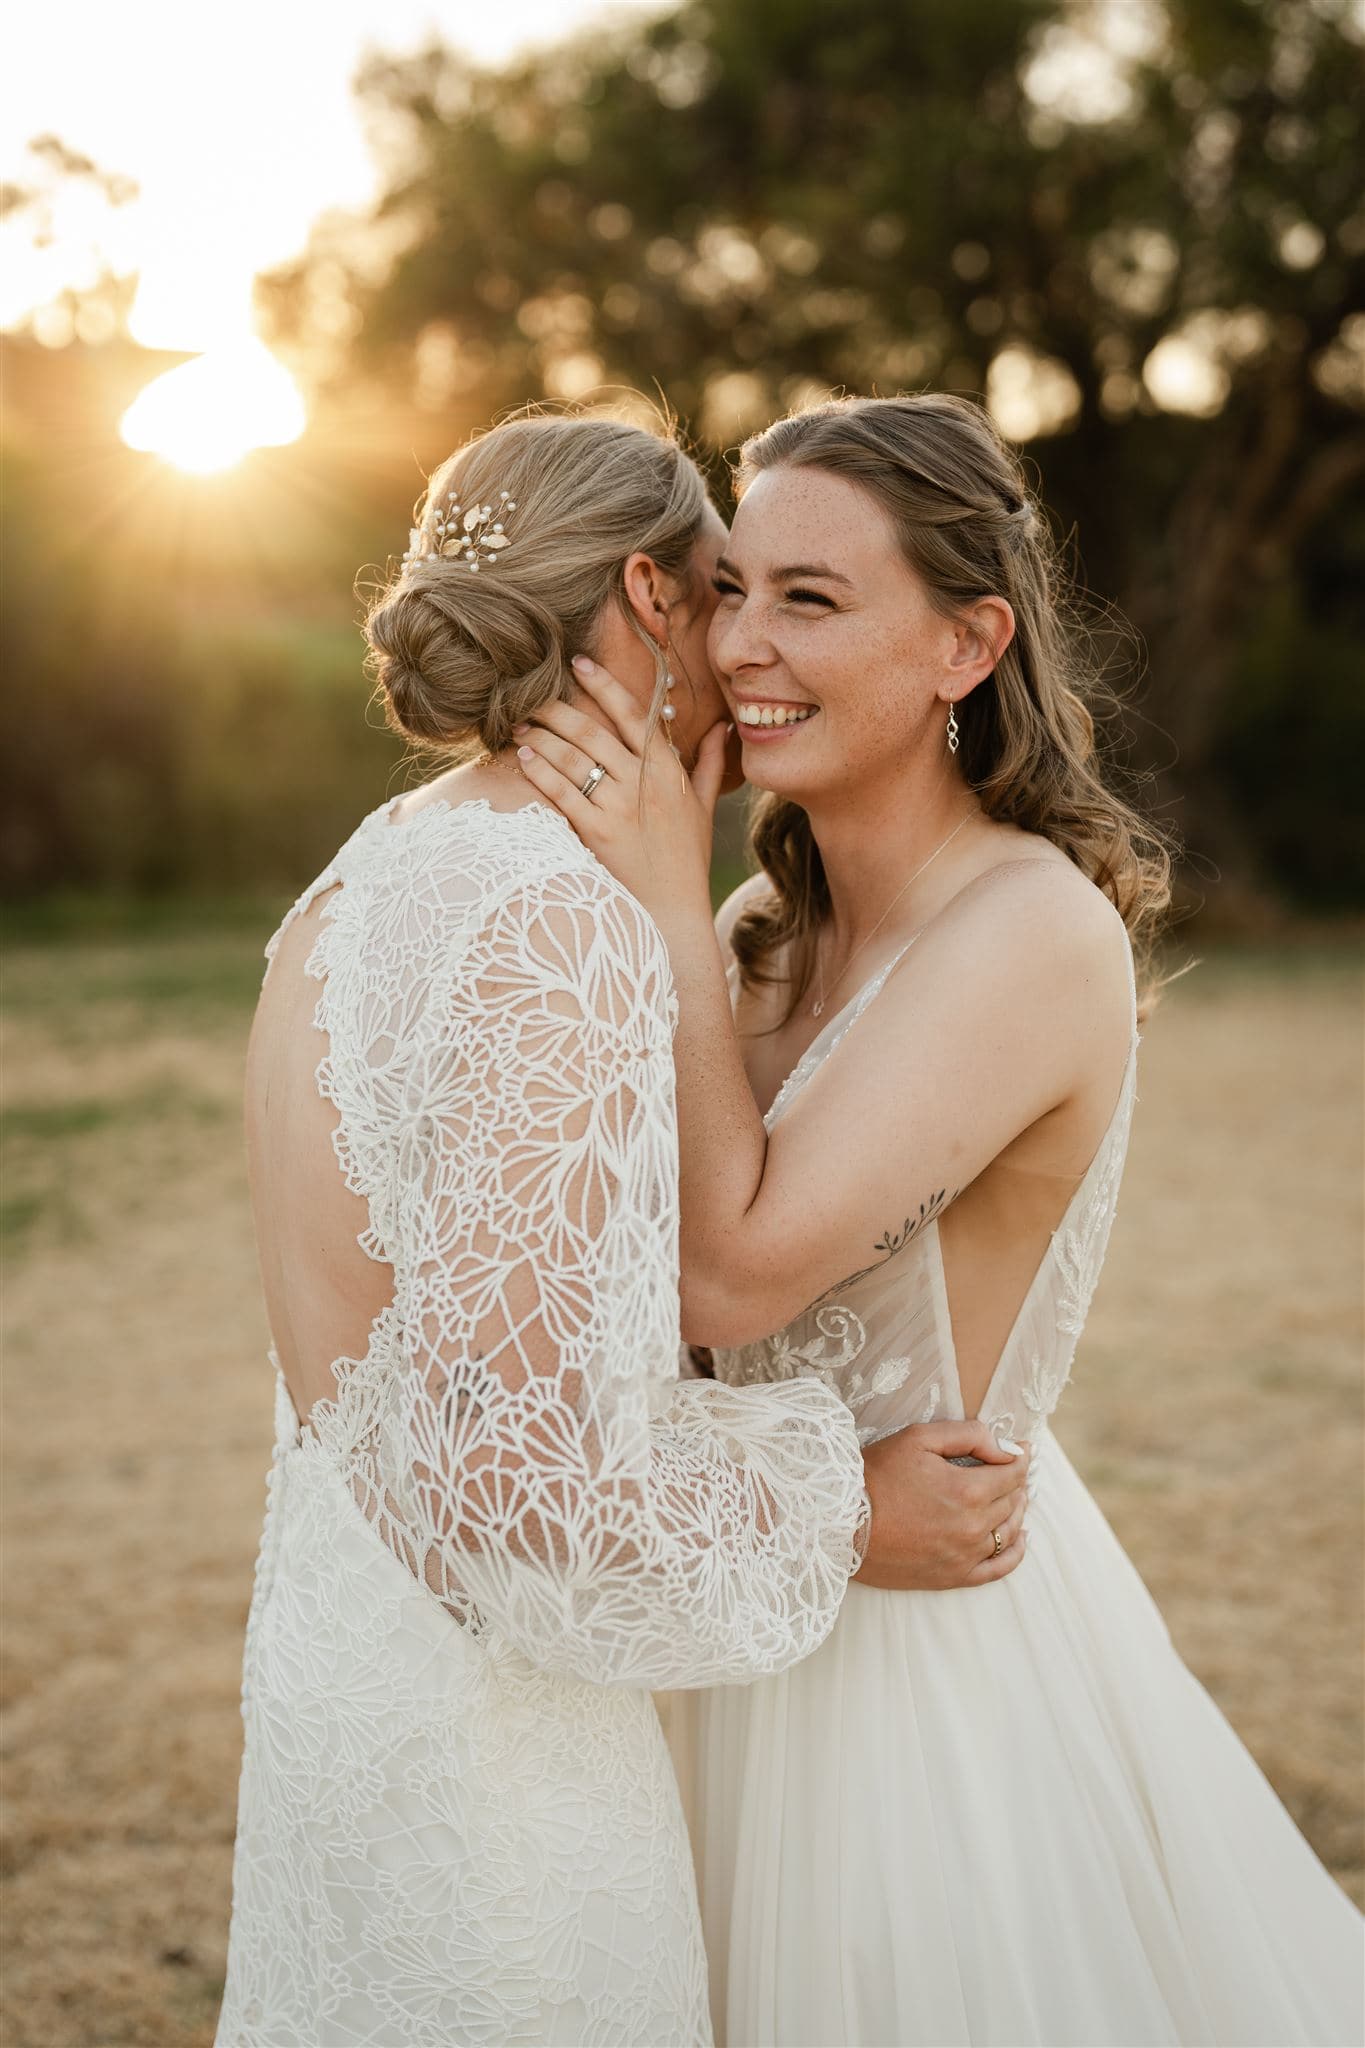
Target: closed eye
(725,587)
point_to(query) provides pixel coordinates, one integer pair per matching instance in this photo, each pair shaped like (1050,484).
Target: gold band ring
(597,773)
(999,1546)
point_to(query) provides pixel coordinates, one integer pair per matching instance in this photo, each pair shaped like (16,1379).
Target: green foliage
(745,205)
(172,724)
(751,203)
(1293,745)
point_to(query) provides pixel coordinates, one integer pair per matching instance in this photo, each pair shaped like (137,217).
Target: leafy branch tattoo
(891,1242)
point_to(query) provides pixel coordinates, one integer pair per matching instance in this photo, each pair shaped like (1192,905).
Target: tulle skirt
(1010,1816)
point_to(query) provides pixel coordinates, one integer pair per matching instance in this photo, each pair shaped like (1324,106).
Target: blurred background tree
(1137,229)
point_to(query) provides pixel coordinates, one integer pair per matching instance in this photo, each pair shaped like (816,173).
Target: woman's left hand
(647,820)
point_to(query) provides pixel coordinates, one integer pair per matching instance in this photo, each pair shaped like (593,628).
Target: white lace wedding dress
(1006,1815)
(458,1821)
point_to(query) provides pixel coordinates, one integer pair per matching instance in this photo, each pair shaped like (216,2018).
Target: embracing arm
(541,1456)
(979,1034)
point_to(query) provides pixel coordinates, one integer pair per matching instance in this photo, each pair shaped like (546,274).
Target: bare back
(322,1293)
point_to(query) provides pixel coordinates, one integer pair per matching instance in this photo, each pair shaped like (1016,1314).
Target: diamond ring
(597,773)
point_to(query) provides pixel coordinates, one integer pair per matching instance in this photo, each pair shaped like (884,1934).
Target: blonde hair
(461,658)
(969,527)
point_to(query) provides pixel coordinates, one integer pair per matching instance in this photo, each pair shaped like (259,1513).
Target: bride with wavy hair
(906,1074)
(496,1518)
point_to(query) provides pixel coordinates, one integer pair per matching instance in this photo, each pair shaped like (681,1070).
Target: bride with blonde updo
(466,649)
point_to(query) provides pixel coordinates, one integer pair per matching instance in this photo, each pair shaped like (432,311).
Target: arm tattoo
(891,1242)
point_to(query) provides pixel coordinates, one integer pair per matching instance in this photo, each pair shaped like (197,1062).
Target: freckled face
(829,651)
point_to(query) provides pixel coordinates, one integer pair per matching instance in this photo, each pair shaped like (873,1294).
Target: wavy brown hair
(969,527)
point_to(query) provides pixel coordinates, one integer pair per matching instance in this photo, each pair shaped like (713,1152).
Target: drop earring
(952,727)
(667,712)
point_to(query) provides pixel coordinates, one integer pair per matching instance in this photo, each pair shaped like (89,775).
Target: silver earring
(952,727)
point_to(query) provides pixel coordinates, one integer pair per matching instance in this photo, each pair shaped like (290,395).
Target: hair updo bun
(458,665)
(463,654)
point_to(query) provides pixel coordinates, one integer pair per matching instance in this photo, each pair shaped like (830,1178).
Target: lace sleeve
(610,1522)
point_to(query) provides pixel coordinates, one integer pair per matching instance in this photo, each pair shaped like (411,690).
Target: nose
(736,640)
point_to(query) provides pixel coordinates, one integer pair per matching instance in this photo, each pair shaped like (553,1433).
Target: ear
(980,637)
(650,595)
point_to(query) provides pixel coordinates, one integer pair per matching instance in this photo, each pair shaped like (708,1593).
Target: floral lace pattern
(835,1342)
(457,1817)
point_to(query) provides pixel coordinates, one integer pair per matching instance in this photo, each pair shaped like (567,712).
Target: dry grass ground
(1215,1411)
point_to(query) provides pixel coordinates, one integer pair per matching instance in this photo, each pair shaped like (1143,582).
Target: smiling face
(834,661)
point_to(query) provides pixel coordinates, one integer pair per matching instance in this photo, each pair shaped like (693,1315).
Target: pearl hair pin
(473,535)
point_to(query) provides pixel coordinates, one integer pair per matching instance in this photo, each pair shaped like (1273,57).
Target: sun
(208,414)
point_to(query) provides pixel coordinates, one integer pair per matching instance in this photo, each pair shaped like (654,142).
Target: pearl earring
(952,727)
(668,711)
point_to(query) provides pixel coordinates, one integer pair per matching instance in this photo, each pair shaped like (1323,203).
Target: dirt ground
(1216,1411)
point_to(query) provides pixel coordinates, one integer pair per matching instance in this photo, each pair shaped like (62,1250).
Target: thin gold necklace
(817,1009)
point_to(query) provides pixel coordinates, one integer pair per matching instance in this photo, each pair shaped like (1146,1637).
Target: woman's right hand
(648,820)
(933,1522)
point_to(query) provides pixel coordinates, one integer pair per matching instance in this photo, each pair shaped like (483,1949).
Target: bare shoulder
(1035,929)
(1047,900)
(739,900)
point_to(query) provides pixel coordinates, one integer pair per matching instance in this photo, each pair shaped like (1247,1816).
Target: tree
(1152,260)
(94,301)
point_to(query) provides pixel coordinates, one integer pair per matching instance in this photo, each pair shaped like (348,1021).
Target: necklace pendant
(817,1009)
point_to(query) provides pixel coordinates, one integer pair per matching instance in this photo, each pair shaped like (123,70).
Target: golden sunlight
(208,414)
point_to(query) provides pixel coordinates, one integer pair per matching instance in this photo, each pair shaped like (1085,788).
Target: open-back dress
(458,1822)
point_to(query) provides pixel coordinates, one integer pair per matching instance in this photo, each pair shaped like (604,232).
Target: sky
(237,123)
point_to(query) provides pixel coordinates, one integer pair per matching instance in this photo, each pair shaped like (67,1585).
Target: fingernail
(1007,1443)
(526,753)
(583,665)
(518,730)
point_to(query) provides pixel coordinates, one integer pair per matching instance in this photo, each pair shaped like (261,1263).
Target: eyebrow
(726,566)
